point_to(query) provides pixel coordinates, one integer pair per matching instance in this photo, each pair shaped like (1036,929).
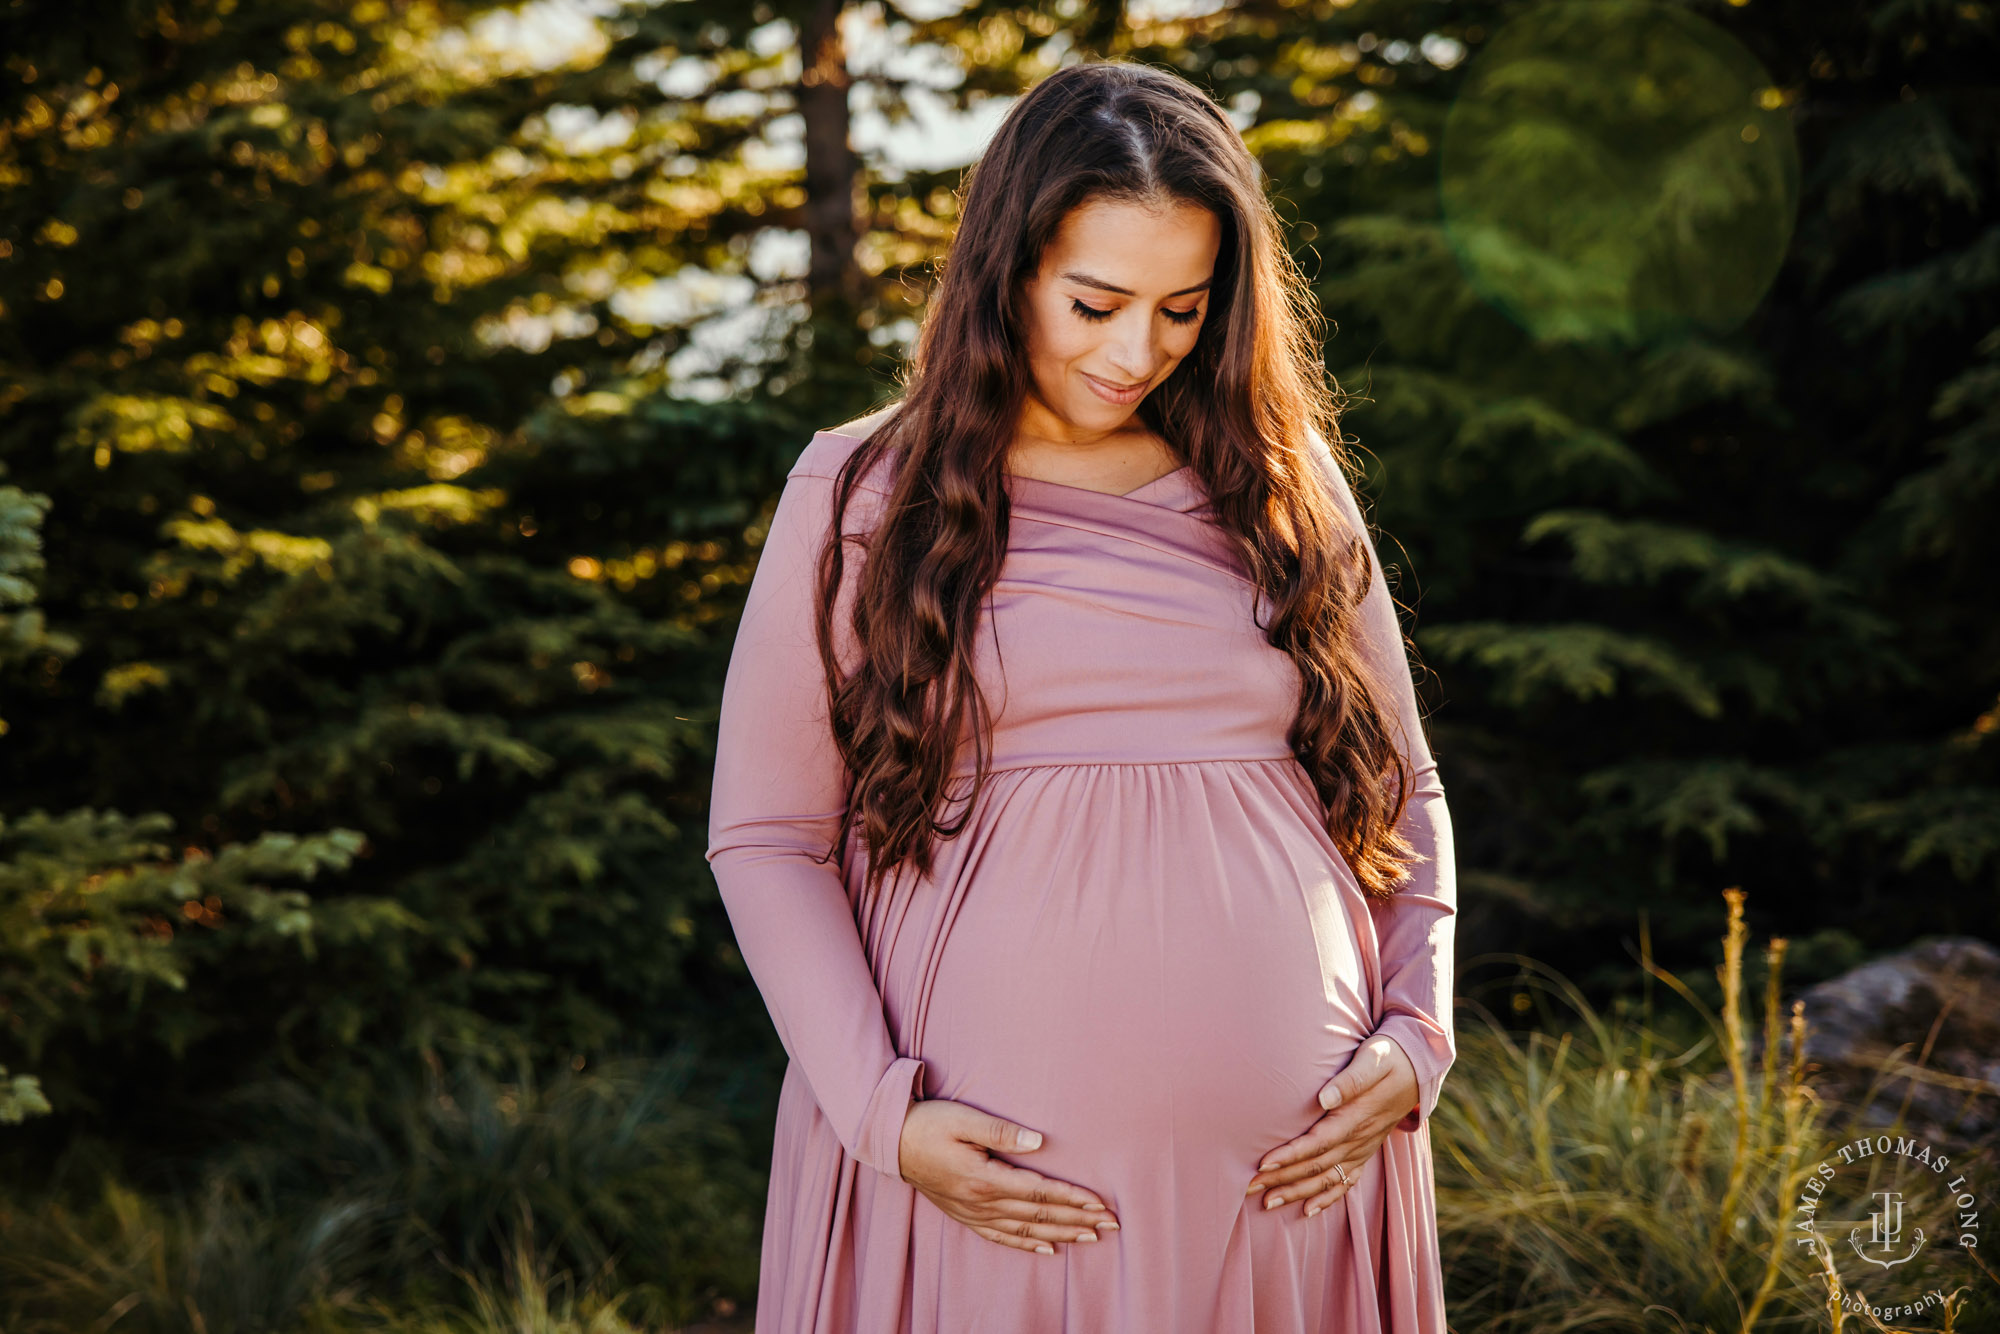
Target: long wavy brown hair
(1242,407)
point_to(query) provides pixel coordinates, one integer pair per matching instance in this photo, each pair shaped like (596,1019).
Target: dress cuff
(1430,1053)
(879,1142)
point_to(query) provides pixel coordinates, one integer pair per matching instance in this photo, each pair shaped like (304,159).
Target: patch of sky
(683,76)
(540,35)
(730,354)
(779,252)
(517,326)
(1243,108)
(681,298)
(1167,11)
(738,104)
(769,39)
(781,147)
(582,130)
(934,135)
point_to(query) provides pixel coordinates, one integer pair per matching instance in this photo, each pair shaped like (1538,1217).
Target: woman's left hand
(1365,1101)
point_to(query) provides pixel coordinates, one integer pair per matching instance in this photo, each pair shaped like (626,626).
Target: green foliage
(94,907)
(376,543)
(24,631)
(21,1097)
(375,522)
(97,915)
(450,1198)
(1678,179)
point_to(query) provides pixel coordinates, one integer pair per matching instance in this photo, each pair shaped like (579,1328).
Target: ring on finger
(1345,1182)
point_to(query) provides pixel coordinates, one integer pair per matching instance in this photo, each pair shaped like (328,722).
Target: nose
(1133,354)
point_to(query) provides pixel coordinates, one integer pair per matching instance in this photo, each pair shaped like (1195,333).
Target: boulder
(1867,1030)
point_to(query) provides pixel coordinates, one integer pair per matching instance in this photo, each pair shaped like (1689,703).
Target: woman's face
(1118,301)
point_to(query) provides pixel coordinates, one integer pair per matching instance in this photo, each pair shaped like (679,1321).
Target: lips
(1114,392)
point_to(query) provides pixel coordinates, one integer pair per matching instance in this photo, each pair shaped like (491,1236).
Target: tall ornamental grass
(1614,1174)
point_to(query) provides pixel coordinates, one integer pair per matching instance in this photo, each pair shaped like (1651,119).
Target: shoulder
(829,449)
(1320,456)
(862,427)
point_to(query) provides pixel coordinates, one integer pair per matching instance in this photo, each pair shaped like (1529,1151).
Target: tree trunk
(831,166)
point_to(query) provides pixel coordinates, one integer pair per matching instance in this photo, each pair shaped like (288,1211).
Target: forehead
(1145,250)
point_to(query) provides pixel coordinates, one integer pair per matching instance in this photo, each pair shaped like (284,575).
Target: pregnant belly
(1179,982)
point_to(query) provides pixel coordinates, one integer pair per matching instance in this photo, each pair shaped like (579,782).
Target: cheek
(1064,339)
(1182,339)
(1070,337)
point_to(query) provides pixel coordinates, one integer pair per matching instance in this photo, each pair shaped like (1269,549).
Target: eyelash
(1093,314)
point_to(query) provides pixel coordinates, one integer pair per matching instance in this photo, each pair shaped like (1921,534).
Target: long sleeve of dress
(1418,925)
(779,793)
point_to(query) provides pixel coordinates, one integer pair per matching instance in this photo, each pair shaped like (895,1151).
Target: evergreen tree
(384,522)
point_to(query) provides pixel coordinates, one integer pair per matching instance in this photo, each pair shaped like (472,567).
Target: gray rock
(1867,1029)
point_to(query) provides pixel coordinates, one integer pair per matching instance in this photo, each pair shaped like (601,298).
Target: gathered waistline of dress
(1128,764)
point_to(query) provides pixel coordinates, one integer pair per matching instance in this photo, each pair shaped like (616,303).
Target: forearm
(798,938)
(1415,928)
(1416,931)
(779,794)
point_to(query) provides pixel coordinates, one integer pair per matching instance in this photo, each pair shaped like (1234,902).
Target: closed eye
(1093,314)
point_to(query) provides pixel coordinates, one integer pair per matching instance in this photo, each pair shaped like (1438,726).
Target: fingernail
(1274,1201)
(1266,1166)
(1086,1236)
(1045,1249)
(1252,1188)
(1311,1210)
(1031,1139)
(1111,1226)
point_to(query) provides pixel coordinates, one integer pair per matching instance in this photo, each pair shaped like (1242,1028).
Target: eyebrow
(1103,286)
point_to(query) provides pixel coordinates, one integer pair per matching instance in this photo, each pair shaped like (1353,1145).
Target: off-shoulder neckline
(1184,469)
(1113,495)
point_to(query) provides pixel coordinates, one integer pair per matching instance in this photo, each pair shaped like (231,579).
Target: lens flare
(1618,172)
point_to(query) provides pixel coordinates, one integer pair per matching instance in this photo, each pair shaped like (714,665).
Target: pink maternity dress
(1144,945)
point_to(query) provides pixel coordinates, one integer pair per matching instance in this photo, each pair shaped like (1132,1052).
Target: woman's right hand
(945,1154)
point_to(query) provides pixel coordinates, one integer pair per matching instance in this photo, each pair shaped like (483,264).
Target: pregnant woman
(1072,807)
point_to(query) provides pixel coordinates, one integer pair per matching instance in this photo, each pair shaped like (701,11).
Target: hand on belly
(1369,1097)
(944,1155)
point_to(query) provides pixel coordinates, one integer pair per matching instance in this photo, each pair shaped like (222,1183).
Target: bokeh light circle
(1618,172)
